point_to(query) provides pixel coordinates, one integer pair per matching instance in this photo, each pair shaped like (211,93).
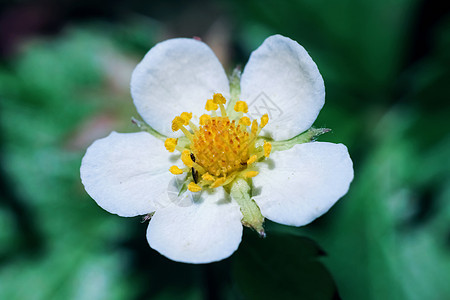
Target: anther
(267,148)
(245,121)
(241,106)
(264,120)
(252,159)
(177,123)
(219,98)
(204,118)
(210,105)
(186,117)
(251,174)
(208,177)
(193,187)
(175,170)
(254,126)
(170,144)
(186,158)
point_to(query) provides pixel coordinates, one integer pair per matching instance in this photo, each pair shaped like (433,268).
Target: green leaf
(282,267)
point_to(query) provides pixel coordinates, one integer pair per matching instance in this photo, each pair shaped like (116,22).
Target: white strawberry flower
(201,176)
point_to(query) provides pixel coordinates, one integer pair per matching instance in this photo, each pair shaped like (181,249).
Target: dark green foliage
(282,266)
(386,67)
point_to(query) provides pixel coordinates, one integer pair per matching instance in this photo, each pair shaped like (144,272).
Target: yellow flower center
(221,149)
(221,146)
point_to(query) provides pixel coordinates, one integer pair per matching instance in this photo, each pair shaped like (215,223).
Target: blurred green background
(64,82)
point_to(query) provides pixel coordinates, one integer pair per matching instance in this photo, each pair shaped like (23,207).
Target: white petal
(199,230)
(127,173)
(300,184)
(176,75)
(282,80)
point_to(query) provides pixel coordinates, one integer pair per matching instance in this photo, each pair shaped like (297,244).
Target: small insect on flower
(147,217)
(209,163)
(194,172)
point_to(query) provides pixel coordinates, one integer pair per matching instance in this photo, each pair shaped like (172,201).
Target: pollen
(254,126)
(175,170)
(220,146)
(264,120)
(219,99)
(208,177)
(267,148)
(251,174)
(203,119)
(170,144)
(186,117)
(245,121)
(241,106)
(193,187)
(177,123)
(252,159)
(210,105)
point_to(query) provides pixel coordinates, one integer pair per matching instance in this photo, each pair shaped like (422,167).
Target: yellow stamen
(219,181)
(219,99)
(230,178)
(210,105)
(170,144)
(208,177)
(175,170)
(264,120)
(251,174)
(223,111)
(254,126)
(203,119)
(193,127)
(177,123)
(186,158)
(194,187)
(186,117)
(241,106)
(245,121)
(186,133)
(252,159)
(267,148)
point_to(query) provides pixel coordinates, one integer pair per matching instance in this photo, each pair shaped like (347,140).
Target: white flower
(226,177)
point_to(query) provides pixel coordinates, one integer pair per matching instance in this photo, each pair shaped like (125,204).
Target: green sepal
(304,137)
(235,91)
(251,214)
